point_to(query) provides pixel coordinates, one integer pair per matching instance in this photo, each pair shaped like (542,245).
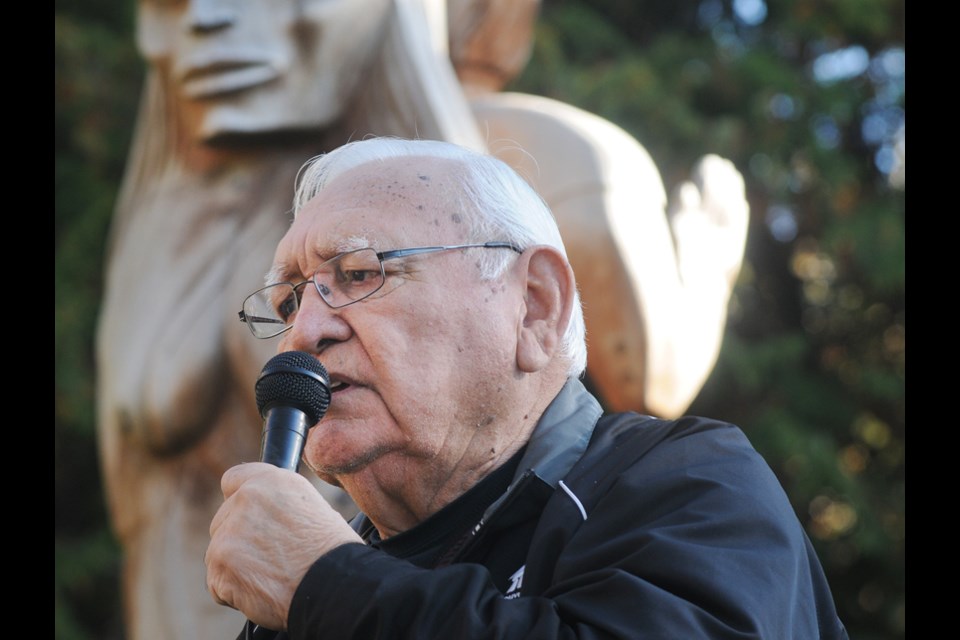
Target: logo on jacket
(516,581)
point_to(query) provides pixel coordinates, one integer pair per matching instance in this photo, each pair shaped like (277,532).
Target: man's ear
(548,302)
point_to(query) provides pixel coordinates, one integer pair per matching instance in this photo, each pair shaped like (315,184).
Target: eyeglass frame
(381,256)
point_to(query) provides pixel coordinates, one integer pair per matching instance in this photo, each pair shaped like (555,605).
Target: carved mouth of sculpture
(218,78)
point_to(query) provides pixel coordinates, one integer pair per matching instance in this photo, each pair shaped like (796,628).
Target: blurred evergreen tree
(805,96)
(97,82)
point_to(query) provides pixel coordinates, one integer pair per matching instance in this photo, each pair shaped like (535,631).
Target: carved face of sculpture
(260,66)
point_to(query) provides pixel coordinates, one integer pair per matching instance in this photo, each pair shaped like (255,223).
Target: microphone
(293,394)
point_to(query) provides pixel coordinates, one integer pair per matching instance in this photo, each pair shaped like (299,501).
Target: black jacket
(620,526)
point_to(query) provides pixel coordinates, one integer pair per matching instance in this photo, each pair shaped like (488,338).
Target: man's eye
(347,277)
(288,306)
(359,276)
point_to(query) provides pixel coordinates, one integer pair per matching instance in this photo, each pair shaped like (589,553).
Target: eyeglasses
(342,280)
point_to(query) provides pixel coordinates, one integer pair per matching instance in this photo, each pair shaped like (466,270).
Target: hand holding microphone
(273,525)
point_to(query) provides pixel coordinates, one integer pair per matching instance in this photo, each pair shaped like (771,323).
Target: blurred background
(806,97)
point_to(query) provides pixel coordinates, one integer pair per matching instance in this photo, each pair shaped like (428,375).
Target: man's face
(427,363)
(261,65)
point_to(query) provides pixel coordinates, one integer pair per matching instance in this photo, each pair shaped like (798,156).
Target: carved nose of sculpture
(210,15)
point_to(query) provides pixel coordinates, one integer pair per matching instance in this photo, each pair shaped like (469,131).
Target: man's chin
(327,478)
(333,468)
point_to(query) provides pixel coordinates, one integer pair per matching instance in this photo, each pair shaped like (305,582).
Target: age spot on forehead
(455,217)
(424,178)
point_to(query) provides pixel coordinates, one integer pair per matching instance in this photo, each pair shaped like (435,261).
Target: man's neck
(415,490)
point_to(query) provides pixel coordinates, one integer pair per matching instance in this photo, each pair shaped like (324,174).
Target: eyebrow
(277,273)
(280,273)
(352,243)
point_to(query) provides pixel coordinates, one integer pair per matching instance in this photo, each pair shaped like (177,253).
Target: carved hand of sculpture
(709,215)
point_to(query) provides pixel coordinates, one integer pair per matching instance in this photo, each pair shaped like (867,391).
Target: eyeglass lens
(347,278)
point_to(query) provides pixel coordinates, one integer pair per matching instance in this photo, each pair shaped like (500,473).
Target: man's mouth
(338,385)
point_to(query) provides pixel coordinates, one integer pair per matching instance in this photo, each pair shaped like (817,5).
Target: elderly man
(497,499)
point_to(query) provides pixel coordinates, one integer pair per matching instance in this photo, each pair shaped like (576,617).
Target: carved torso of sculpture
(176,392)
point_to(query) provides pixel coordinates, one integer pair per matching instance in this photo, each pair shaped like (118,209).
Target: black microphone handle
(281,444)
(283,437)
(293,393)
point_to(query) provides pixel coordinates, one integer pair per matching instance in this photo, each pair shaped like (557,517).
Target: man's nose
(316,325)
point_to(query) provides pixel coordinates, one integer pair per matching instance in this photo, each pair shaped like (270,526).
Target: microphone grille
(294,379)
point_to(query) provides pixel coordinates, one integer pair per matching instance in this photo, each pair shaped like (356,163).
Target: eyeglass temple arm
(400,253)
(245,318)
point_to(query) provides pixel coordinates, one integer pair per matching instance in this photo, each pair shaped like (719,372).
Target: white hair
(498,204)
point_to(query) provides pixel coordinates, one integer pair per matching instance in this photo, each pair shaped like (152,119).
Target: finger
(230,482)
(234,477)
(218,518)
(211,585)
(215,593)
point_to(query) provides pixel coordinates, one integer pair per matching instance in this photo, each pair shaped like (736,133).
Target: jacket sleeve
(695,539)
(360,593)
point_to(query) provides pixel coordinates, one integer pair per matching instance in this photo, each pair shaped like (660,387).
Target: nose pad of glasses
(324,290)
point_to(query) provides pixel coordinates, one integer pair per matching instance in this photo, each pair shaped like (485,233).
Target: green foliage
(97,86)
(872,240)
(85,587)
(812,365)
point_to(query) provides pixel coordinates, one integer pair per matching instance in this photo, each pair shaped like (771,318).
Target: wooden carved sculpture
(237,97)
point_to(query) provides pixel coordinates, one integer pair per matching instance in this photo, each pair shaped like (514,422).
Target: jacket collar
(562,434)
(558,441)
